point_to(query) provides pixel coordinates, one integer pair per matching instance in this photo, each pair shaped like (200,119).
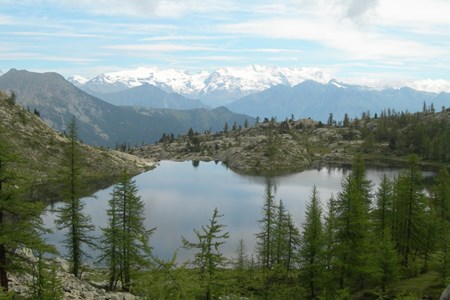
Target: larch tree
(352,227)
(126,239)
(386,261)
(71,216)
(441,196)
(267,226)
(312,246)
(409,207)
(209,258)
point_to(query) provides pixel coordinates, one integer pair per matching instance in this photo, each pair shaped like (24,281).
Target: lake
(181,196)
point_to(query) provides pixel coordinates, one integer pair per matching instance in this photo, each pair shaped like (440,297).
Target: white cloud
(160,47)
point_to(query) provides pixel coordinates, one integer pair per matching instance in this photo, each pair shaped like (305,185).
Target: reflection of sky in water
(179,197)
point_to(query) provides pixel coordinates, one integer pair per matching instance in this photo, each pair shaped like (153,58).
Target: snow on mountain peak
(76,79)
(227,83)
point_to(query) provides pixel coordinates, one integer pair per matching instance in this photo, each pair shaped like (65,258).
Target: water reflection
(181,196)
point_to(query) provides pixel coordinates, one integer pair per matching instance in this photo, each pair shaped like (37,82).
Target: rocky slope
(70,286)
(41,150)
(270,147)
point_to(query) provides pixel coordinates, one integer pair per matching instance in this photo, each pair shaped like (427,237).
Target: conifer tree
(312,247)
(20,221)
(71,216)
(281,241)
(267,226)
(209,258)
(383,211)
(352,227)
(329,248)
(441,196)
(409,209)
(125,240)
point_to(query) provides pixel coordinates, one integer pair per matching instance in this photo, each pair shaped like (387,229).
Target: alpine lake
(181,196)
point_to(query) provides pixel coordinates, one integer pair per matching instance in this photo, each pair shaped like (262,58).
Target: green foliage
(125,240)
(312,247)
(209,259)
(71,216)
(352,228)
(46,283)
(20,221)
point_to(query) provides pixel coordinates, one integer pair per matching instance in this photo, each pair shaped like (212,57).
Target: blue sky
(349,39)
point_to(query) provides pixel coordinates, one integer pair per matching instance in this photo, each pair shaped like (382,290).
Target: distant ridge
(316,100)
(148,95)
(101,123)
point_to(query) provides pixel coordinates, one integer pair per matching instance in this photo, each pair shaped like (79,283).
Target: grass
(427,284)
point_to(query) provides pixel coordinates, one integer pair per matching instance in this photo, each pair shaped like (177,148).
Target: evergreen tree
(281,241)
(46,282)
(209,258)
(329,249)
(312,247)
(409,206)
(71,216)
(20,221)
(383,212)
(352,227)
(126,240)
(267,229)
(441,196)
(241,264)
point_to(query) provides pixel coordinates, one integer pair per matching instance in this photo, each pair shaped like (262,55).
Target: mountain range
(316,100)
(101,123)
(263,91)
(215,88)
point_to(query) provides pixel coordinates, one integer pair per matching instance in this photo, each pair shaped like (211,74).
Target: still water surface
(179,196)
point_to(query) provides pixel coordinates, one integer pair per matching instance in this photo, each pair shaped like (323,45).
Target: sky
(360,40)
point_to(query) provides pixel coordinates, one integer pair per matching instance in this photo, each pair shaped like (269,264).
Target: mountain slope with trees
(41,151)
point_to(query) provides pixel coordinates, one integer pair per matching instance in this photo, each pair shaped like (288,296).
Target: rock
(445,294)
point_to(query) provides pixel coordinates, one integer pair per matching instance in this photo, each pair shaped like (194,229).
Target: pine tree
(209,258)
(71,216)
(312,247)
(126,240)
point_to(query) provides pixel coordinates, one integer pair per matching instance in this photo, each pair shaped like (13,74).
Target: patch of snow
(76,79)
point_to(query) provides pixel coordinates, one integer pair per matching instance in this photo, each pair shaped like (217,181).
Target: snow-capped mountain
(215,88)
(1,72)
